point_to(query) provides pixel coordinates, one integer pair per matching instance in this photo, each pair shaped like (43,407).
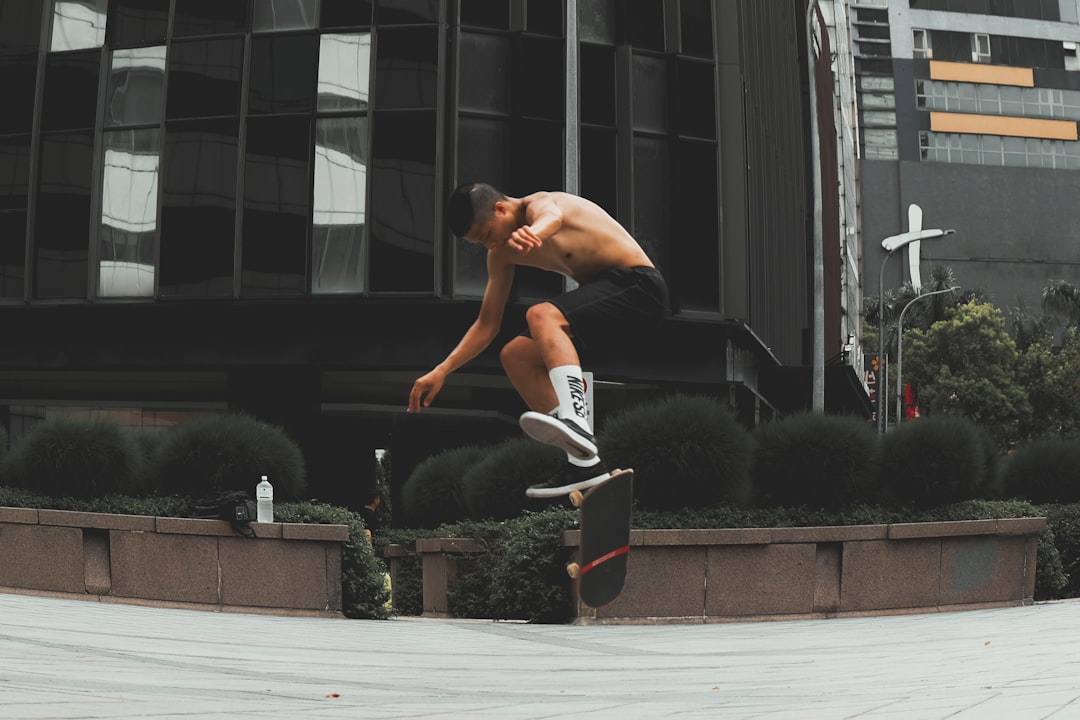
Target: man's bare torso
(587,242)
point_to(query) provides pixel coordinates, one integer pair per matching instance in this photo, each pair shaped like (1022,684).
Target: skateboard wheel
(576,497)
(573,570)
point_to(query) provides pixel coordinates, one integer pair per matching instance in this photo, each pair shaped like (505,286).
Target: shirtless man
(620,294)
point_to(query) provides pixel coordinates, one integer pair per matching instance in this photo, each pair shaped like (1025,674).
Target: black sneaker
(570,478)
(560,432)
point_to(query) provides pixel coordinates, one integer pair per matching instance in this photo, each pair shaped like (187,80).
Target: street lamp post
(900,349)
(891,244)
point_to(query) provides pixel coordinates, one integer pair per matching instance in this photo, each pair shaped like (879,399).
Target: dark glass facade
(239,204)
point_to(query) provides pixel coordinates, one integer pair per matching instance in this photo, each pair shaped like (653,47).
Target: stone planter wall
(286,569)
(789,573)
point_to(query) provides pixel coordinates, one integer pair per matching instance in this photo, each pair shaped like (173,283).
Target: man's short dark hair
(469,203)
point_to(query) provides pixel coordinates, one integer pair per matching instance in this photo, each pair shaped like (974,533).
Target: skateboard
(600,570)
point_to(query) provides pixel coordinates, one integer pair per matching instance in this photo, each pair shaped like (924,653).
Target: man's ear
(500,208)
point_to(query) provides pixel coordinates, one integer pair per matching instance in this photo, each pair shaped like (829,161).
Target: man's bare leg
(524,365)
(544,369)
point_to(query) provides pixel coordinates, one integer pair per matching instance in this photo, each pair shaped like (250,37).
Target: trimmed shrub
(685,451)
(76,457)
(812,460)
(213,453)
(992,487)
(494,488)
(1064,524)
(433,494)
(523,575)
(933,461)
(409,581)
(147,444)
(1044,471)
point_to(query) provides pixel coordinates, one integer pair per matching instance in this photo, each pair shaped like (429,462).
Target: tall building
(968,109)
(210,206)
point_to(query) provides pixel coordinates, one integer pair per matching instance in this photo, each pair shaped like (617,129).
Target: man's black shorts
(615,308)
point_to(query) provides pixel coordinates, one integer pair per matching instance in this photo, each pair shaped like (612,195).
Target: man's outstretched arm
(473,342)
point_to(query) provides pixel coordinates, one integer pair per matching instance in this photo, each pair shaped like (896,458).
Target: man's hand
(425,389)
(524,240)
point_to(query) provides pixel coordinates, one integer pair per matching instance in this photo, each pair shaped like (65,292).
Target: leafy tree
(1052,379)
(967,365)
(919,316)
(1062,299)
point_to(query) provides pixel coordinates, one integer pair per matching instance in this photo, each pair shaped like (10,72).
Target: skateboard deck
(603,550)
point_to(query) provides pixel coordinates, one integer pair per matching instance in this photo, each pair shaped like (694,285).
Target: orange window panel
(1002,125)
(979,73)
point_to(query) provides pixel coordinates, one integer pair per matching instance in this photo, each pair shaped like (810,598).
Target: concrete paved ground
(81,659)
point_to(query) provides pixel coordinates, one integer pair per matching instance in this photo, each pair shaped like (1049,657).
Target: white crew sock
(570,390)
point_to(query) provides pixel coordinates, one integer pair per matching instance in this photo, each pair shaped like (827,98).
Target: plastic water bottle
(264,501)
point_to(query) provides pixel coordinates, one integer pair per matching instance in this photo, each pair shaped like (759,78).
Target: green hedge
(212,453)
(1044,471)
(934,461)
(825,461)
(686,451)
(494,488)
(434,493)
(75,457)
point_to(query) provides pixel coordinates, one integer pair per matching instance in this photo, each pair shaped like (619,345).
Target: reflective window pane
(645,23)
(600,167)
(344,72)
(70,98)
(18,78)
(204,78)
(209,17)
(537,151)
(650,93)
(403,202)
(345,13)
(20,24)
(78,24)
(198,214)
(695,258)
(14,191)
(651,202)
(493,14)
(135,94)
(137,22)
(406,68)
(597,21)
(483,155)
(597,74)
(539,67)
(281,72)
(404,12)
(485,61)
(276,15)
(129,213)
(62,224)
(544,18)
(696,99)
(276,189)
(695,18)
(340,212)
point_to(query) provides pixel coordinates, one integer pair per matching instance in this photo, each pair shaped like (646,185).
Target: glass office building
(213,205)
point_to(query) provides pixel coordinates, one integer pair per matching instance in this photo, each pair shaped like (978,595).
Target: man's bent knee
(545,314)
(519,351)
